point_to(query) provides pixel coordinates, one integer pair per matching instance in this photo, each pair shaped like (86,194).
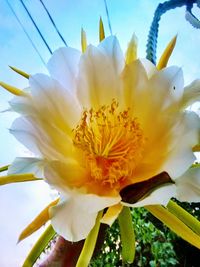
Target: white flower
(97,125)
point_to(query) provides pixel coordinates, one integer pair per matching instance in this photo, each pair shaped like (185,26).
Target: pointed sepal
(20,72)
(38,222)
(101,30)
(166,54)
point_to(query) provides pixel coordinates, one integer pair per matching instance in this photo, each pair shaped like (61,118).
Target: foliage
(156,245)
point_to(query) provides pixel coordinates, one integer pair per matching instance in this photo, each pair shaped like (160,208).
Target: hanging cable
(108,17)
(53,23)
(38,30)
(26,33)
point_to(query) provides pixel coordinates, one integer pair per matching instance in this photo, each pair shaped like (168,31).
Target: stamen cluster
(112,142)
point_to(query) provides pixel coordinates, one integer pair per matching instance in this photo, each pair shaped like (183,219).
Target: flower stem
(89,245)
(184,216)
(63,254)
(127,235)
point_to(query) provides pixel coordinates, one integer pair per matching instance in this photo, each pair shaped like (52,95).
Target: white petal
(188,186)
(53,101)
(63,175)
(167,85)
(98,80)
(135,81)
(36,139)
(27,165)
(63,66)
(74,217)
(25,133)
(22,104)
(94,203)
(149,67)
(111,48)
(160,196)
(55,113)
(191,93)
(185,137)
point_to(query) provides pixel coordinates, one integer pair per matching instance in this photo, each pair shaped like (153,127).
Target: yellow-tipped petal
(83,40)
(12,89)
(38,222)
(111,214)
(196,148)
(18,178)
(166,54)
(39,247)
(101,30)
(131,52)
(20,72)
(176,225)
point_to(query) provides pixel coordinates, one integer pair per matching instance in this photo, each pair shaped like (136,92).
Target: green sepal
(4,168)
(89,244)
(175,224)
(18,178)
(39,247)
(20,72)
(184,216)
(127,235)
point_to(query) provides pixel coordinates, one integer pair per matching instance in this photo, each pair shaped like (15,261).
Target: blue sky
(20,203)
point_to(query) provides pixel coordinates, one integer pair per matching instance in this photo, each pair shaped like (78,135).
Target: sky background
(20,203)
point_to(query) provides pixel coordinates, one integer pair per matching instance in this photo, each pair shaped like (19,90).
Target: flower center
(112,142)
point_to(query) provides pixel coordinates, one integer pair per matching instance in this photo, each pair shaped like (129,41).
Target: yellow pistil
(112,142)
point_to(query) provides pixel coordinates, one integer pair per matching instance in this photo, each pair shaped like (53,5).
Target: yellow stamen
(83,40)
(112,142)
(12,89)
(101,30)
